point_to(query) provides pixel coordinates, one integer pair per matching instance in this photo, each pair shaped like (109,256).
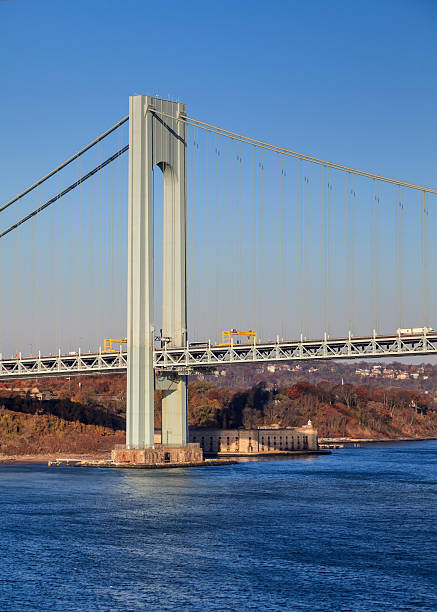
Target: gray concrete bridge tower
(156,138)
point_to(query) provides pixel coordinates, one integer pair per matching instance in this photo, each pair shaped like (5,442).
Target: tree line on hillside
(336,410)
(418,377)
(88,414)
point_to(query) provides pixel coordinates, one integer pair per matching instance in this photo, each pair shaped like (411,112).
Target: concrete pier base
(158,455)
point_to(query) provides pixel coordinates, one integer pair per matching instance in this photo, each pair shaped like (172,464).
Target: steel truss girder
(340,348)
(187,360)
(62,365)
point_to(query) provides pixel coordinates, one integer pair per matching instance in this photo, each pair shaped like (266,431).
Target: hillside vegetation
(31,434)
(87,414)
(335,410)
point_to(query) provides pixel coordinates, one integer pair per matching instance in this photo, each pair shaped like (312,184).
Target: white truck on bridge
(413,331)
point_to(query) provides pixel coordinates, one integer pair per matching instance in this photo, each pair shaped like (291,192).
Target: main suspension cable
(64,164)
(67,190)
(308,158)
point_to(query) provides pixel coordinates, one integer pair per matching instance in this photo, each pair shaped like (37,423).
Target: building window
(202,443)
(250,444)
(298,443)
(210,443)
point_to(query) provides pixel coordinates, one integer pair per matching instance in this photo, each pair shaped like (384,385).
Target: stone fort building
(265,439)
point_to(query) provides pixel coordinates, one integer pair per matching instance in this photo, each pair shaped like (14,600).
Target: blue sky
(352,82)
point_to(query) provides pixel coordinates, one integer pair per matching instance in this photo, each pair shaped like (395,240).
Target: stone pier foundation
(160,454)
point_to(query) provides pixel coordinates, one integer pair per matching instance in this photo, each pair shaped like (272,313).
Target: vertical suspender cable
(284,292)
(192,311)
(348,251)
(70,270)
(324,237)
(39,291)
(121,224)
(257,236)
(74,256)
(276,247)
(35,300)
(372,250)
(306,225)
(234,235)
(425,261)
(195,306)
(91,241)
(231,234)
(208,258)
(234,222)
(197,252)
(95,239)
(111,254)
(253,238)
(401,259)
(327,247)
(79,290)
(397,260)
(328,254)
(216,221)
(242,305)
(17,273)
(229,281)
(101,233)
(15,314)
(300,243)
(399,253)
(261,247)
(33,284)
(352,253)
(192,322)
(376,261)
(57,275)
(117,233)
(70,316)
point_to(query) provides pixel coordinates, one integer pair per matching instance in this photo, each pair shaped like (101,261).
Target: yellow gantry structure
(226,339)
(107,344)
(227,336)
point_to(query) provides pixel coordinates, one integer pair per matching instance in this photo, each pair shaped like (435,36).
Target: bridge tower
(156,138)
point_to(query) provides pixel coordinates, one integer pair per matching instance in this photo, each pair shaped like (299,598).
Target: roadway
(189,359)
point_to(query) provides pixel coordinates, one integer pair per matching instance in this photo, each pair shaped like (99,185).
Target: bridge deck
(187,360)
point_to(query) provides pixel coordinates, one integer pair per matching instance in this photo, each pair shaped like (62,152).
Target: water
(356,530)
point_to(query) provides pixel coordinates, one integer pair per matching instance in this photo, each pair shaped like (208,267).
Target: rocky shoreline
(373,440)
(45,458)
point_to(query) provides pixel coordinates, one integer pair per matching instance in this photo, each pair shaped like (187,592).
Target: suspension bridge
(323,260)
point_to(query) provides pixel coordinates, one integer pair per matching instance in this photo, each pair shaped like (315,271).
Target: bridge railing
(186,361)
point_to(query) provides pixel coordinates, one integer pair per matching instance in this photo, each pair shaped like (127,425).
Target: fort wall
(253,441)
